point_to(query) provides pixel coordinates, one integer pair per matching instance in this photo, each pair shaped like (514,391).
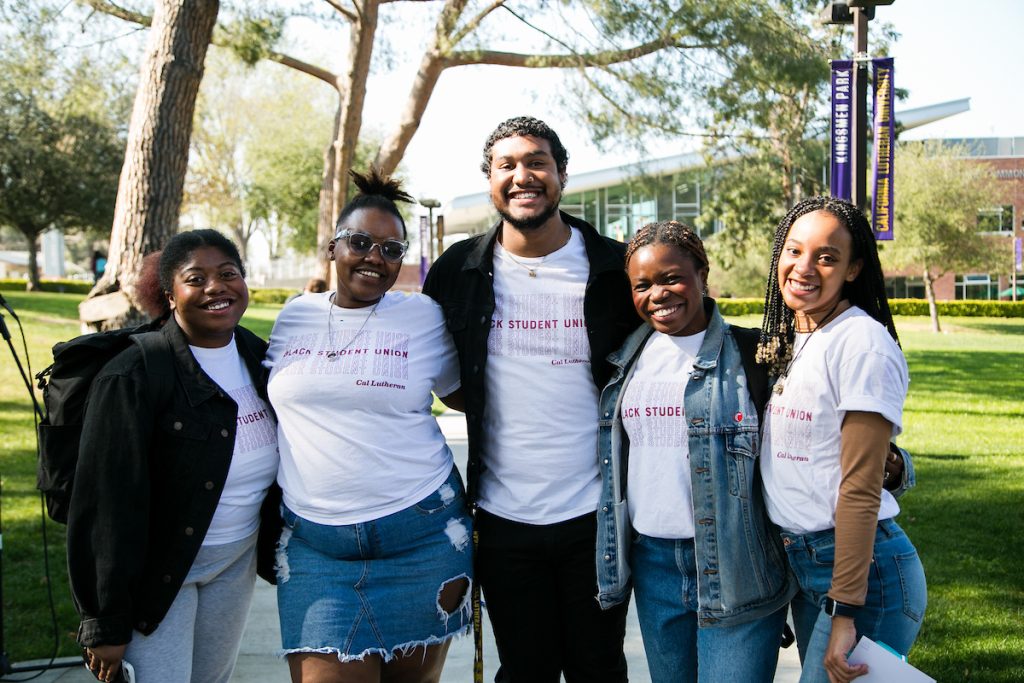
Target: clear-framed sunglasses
(362,244)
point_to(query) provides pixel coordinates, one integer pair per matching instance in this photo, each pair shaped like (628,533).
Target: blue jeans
(665,585)
(893,609)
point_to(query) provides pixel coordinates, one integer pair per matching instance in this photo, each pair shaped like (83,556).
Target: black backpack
(65,385)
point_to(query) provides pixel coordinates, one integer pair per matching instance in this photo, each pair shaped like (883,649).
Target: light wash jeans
(895,604)
(678,650)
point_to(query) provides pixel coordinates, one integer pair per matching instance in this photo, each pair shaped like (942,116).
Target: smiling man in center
(532,407)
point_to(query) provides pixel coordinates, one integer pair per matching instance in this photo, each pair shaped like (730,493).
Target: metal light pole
(858,13)
(430,205)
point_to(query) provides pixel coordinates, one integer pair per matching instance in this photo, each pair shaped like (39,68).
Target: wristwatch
(839,609)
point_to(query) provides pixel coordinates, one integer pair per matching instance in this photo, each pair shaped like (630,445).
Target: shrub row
(65,286)
(270,295)
(976,308)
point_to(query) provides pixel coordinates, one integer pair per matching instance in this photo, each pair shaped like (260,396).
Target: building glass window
(616,208)
(977,287)
(904,288)
(998,219)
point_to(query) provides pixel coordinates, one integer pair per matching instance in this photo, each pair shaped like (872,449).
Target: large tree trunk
(929,293)
(360,53)
(324,224)
(32,242)
(391,152)
(150,189)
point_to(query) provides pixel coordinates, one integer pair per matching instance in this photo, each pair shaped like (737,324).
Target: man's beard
(530,222)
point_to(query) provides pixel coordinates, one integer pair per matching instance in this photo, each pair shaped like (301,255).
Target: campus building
(620,199)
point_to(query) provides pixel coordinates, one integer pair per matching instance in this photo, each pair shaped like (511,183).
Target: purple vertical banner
(1018,256)
(884,129)
(842,98)
(424,248)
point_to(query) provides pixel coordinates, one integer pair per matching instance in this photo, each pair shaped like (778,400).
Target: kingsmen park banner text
(884,130)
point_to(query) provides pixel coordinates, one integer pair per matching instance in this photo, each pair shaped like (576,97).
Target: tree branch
(317,72)
(324,75)
(473,23)
(568,60)
(341,9)
(118,11)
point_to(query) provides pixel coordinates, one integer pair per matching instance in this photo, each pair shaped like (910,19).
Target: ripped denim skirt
(383,587)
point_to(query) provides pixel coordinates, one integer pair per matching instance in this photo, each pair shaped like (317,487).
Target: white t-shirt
(254,460)
(358,441)
(850,364)
(540,420)
(658,476)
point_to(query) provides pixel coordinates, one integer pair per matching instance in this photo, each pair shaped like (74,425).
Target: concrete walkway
(258,664)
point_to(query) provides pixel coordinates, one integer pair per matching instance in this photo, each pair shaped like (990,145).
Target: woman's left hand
(842,640)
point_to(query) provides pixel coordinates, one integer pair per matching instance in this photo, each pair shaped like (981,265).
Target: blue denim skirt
(374,587)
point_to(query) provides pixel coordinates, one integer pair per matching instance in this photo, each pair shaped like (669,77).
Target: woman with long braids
(829,339)
(681,515)
(374,565)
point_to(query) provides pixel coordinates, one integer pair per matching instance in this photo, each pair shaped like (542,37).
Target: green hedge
(740,306)
(270,296)
(66,286)
(972,308)
(976,308)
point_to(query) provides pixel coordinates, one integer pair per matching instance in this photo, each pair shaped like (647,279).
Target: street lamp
(430,205)
(858,13)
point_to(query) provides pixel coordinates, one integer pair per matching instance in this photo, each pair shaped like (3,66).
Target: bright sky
(948,49)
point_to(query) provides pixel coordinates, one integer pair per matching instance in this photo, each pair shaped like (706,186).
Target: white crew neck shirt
(658,488)
(850,364)
(358,441)
(254,460)
(540,421)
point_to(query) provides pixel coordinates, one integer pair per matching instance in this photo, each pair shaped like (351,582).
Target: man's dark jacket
(151,469)
(462,282)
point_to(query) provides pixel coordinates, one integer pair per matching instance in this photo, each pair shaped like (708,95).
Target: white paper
(884,666)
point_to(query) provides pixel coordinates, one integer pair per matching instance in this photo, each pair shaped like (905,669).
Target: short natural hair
(866,291)
(180,247)
(376,191)
(522,126)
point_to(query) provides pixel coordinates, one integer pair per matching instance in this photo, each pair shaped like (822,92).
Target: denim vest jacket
(742,573)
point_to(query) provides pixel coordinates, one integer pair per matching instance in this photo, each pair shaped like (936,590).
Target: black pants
(539,584)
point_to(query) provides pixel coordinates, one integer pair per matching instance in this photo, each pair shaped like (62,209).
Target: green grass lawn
(964,423)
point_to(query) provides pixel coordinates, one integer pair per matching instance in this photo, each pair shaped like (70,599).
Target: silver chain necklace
(335,355)
(533,271)
(780,383)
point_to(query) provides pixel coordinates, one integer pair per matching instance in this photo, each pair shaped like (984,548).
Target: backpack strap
(757,374)
(157,357)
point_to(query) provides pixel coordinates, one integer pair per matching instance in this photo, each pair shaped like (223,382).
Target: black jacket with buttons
(462,282)
(149,477)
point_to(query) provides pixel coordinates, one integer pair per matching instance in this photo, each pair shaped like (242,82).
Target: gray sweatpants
(199,638)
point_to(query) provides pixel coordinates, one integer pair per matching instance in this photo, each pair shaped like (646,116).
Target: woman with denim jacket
(681,512)
(829,338)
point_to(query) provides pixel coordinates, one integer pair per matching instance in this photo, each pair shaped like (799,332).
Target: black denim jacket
(462,282)
(148,481)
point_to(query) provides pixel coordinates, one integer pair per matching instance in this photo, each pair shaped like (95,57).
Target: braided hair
(670,232)
(376,191)
(866,291)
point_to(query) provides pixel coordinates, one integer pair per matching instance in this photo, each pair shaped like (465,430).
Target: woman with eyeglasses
(374,565)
